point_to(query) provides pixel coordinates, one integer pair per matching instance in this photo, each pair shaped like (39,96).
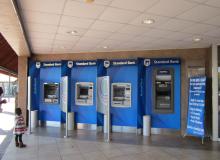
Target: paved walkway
(84,145)
(6,126)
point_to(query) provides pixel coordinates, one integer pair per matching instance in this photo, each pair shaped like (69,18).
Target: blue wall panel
(170,121)
(34,73)
(49,112)
(84,114)
(125,116)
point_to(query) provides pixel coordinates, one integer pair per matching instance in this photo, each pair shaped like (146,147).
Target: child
(19,128)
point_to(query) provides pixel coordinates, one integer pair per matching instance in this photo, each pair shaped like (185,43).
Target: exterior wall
(22,84)
(189,58)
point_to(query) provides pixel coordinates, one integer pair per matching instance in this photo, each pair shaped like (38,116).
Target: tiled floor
(85,145)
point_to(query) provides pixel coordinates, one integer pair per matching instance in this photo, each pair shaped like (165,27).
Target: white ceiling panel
(65,44)
(36,27)
(102,2)
(106,26)
(198,1)
(159,20)
(39,17)
(118,15)
(137,5)
(64,38)
(48,6)
(213,33)
(121,37)
(176,24)
(144,39)
(158,33)
(97,34)
(83,10)
(61,47)
(200,13)
(129,45)
(110,44)
(214,3)
(89,41)
(133,30)
(178,36)
(64,30)
(171,8)
(83,47)
(199,28)
(213,21)
(69,21)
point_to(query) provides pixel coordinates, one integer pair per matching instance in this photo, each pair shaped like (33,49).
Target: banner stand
(103,101)
(29,104)
(64,104)
(196,108)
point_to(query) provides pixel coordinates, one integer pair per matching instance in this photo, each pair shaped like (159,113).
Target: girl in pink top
(19,128)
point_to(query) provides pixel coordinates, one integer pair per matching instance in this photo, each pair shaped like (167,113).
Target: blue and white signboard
(196,107)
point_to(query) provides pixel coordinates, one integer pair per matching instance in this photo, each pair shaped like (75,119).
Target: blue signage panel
(161,61)
(123,62)
(85,63)
(196,106)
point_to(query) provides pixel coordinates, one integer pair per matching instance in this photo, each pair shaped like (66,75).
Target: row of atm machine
(137,87)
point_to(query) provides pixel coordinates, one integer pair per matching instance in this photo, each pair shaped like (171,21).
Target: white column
(214,93)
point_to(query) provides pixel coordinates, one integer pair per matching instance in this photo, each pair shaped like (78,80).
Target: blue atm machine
(126,113)
(45,91)
(162,93)
(83,79)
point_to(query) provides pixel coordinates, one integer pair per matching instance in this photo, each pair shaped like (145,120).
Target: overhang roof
(8,58)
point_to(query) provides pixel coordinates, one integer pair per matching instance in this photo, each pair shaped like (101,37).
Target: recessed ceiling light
(148,21)
(105,47)
(197,39)
(89,1)
(72,32)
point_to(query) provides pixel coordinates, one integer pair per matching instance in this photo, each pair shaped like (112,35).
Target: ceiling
(117,25)
(8,58)
(11,29)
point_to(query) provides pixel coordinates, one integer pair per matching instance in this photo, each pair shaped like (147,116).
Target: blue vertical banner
(196,107)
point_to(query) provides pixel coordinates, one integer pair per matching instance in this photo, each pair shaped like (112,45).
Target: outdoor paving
(6,125)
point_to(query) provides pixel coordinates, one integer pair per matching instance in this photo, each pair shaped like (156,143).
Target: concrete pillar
(22,84)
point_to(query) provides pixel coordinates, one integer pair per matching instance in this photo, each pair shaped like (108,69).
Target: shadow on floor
(170,141)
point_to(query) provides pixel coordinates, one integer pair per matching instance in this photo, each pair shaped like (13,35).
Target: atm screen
(163,90)
(51,92)
(119,92)
(84,91)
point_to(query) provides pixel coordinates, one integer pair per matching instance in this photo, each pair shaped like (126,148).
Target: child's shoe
(16,144)
(21,145)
